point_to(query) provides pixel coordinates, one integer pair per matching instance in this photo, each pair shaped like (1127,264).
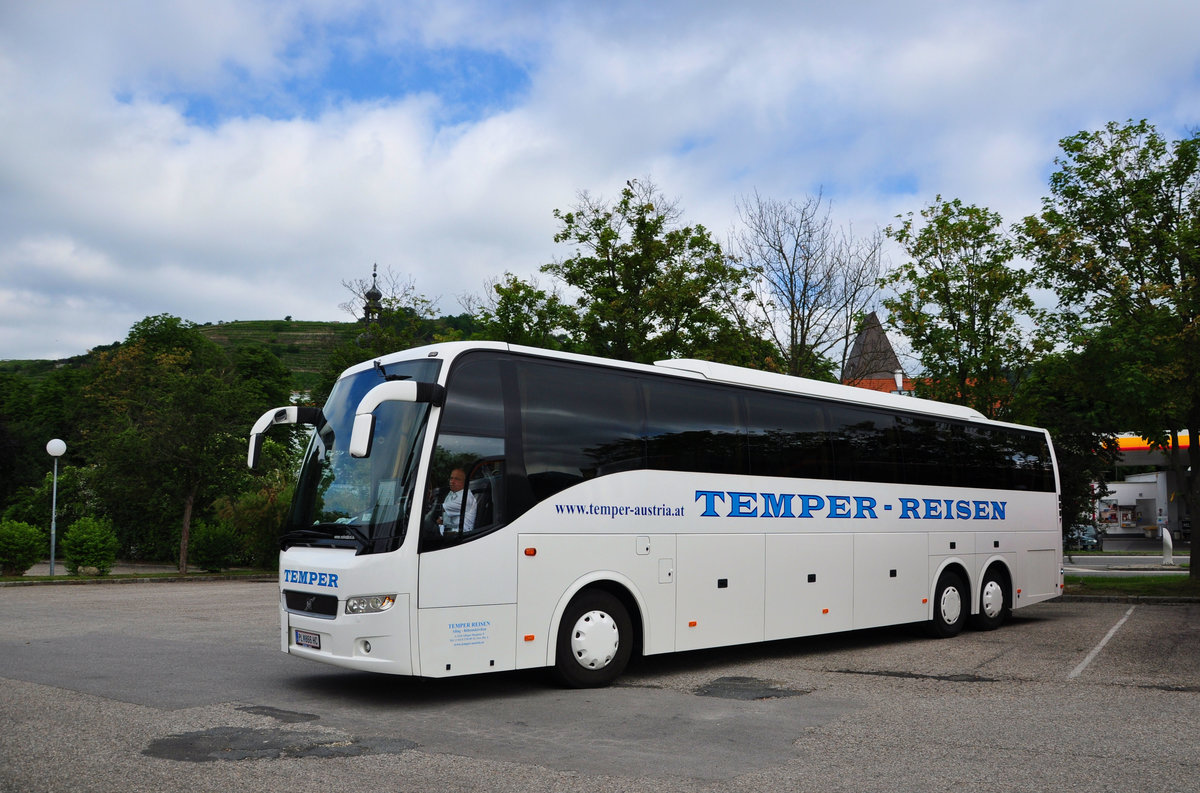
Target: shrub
(258,517)
(214,546)
(90,542)
(21,546)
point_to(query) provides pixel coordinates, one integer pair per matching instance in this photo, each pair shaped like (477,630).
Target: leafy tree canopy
(521,312)
(959,301)
(648,287)
(1118,239)
(172,410)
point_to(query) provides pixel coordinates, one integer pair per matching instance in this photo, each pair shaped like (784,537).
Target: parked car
(1085,538)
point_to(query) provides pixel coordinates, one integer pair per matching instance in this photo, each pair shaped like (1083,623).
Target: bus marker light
(529,637)
(692,624)
(924,600)
(531,551)
(824,611)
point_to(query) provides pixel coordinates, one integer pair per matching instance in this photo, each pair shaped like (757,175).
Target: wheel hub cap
(993,599)
(594,640)
(951,605)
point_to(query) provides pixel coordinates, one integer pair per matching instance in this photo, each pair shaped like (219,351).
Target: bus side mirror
(288,415)
(363,433)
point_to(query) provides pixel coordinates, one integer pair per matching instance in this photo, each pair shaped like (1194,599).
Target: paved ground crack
(239,743)
(962,677)
(285,716)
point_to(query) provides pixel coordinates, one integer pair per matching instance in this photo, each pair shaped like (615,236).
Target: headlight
(369,604)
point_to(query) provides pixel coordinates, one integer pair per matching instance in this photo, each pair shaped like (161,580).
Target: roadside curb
(178,579)
(1149,600)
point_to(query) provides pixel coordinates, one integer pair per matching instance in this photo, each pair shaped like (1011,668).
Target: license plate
(306,639)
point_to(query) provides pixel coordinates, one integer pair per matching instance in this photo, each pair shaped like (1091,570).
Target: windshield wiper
(326,531)
(390,377)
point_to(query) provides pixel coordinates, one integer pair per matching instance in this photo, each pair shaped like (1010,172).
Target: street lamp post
(55,449)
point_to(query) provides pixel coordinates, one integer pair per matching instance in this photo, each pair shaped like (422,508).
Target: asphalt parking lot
(173,687)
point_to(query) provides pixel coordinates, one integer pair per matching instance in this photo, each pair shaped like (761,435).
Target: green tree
(648,287)
(959,302)
(77,498)
(1118,239)
(173,411)
(19,463)
(215,546)
(1059,394)
(32,411)
(263,378)
(520,312)
(258,514)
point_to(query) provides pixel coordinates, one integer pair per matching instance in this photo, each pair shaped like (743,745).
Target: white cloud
(116,204)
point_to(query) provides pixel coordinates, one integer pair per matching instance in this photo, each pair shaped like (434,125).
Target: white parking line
(1096,650)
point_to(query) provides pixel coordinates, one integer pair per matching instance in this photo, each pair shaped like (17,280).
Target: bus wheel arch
(596,636)
(995,598)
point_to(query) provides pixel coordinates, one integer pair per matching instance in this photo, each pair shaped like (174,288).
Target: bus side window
(923,445)
(471,432)
(576,424)
(693,427)
(788,436)
(864,444)
(466,496)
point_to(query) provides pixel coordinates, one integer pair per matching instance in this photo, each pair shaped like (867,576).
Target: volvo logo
(308,604)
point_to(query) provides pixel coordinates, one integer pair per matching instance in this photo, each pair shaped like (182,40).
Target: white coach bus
(474,507)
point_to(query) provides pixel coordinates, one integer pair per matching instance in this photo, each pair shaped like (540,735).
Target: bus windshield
(361,503)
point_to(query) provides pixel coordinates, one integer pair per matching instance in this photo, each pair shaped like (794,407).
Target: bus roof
(715,372)
(724,373)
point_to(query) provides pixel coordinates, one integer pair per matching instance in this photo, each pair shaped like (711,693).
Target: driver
(452,506)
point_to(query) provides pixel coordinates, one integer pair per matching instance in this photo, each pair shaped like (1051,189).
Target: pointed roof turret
(871,356)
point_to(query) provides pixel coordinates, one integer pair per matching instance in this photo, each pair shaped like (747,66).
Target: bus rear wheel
(595,640)
(950,606)
(993,603)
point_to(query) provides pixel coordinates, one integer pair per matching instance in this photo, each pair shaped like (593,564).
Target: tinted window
(465,495)
(577,423)
(693,427)
(474,397)
(1025,456)
(926,451)
(981,462)
(788,436)
(1003,458)
(865,444)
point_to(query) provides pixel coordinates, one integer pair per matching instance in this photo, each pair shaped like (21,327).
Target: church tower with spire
(372,299)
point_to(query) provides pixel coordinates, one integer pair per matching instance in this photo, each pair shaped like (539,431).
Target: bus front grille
(309,603)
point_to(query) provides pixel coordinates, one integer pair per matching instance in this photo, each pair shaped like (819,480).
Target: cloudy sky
(237,159)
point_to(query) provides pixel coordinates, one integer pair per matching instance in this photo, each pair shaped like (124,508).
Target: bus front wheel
(595,640)
(950,606)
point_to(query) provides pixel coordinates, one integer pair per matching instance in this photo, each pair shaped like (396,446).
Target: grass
(192,574)
(304,347)
(1134,585)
